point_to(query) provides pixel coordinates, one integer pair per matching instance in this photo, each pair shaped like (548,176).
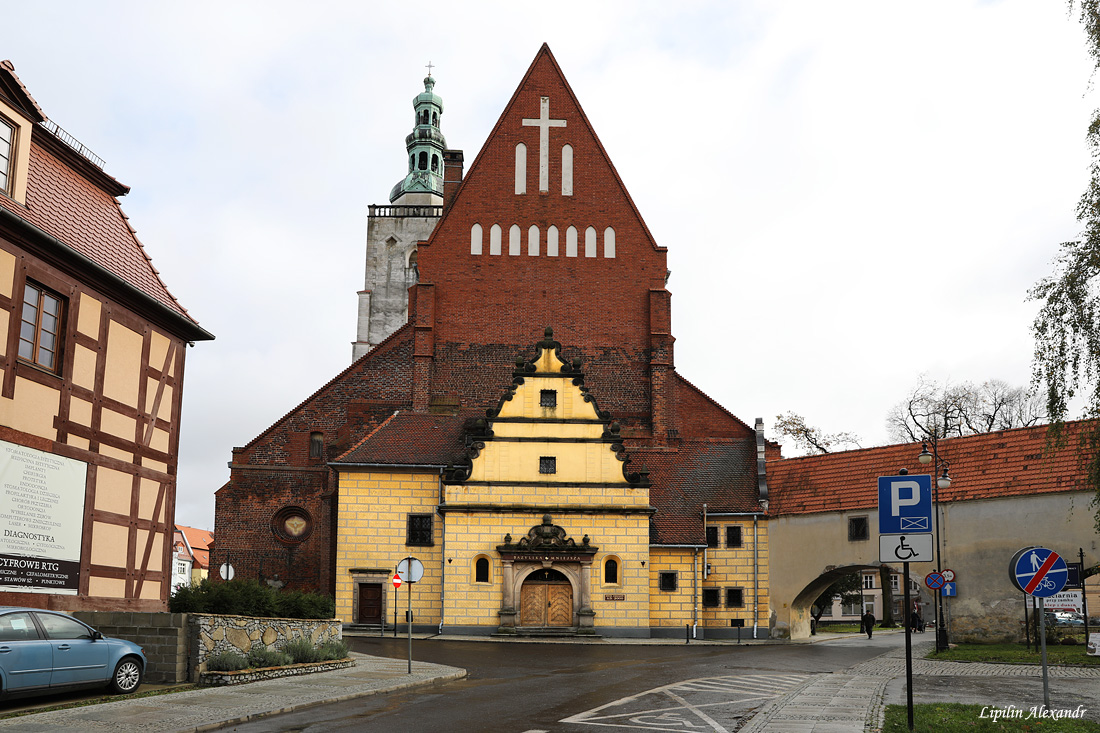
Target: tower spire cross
(544,123)
(430,68)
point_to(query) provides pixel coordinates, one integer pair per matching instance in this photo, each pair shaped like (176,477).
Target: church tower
(393,231)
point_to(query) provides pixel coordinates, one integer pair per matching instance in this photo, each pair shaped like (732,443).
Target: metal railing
(73,143)
(404,211)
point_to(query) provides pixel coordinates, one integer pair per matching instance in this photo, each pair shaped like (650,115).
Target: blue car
(44,651)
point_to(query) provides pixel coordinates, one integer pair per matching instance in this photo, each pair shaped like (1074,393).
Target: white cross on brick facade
(544,123)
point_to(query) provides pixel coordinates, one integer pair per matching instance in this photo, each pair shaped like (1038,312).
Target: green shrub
(302,651)
(249,598)
(226,662)
(261,656)
(333,649)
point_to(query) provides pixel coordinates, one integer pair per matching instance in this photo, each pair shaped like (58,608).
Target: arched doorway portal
(546,599)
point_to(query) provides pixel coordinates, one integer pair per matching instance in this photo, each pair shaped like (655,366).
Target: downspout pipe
(695,593)
(755,578)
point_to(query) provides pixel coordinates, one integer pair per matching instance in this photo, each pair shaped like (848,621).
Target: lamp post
(943,481)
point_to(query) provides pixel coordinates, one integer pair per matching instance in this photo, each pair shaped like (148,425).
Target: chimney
(452,175)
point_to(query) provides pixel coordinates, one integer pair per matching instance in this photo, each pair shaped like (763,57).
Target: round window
(292,524)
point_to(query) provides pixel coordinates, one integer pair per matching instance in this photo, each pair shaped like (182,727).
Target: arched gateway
(547,581)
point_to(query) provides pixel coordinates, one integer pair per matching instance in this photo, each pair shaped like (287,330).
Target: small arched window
(424,117)
(435,164)
(412,259)
(611,571)
(435,119)
(412,163)
(423,161)
(481,570)
(316,444)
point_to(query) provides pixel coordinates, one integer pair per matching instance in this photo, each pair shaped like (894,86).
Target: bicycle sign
(1038,571)
(915,547)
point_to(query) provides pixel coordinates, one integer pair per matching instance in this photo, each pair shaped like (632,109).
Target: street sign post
(905,536)
(411,571)
(948,590)
(1040,573)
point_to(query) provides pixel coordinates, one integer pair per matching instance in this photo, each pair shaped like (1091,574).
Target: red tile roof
(986,466)
(76,205)
(718,473)
(200,541)
(411,439)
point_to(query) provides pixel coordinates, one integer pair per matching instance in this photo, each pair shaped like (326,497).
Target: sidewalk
(212,707)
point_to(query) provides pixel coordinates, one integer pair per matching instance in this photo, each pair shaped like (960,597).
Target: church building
(525,434)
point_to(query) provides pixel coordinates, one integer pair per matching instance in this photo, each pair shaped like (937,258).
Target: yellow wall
(673,608)
(372,528)
(733,568)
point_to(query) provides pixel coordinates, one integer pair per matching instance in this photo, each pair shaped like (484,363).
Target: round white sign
(226,571)
(410,570)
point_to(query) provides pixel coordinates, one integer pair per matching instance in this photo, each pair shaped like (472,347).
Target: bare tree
(933,411)
(809,438)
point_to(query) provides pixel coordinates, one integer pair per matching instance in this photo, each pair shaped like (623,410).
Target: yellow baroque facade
(527,521)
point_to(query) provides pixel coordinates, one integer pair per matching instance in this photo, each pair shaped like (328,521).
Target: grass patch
(838,629)
(956,718)
(1016,654)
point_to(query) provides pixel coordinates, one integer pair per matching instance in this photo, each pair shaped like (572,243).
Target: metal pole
(1027,626)
(908,649)
(409,615)
(941,629)
(1043,642)
(396,598)
(1084,592)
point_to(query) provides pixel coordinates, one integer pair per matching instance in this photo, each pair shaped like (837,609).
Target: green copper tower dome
(425,145)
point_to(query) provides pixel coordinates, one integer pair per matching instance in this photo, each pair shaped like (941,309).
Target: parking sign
(904,504)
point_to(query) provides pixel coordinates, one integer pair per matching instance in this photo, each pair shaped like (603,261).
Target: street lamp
(942,482)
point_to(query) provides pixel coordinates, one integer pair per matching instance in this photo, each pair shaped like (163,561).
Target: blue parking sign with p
(904,504)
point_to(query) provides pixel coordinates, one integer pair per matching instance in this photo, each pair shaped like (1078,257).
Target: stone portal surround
(211,635)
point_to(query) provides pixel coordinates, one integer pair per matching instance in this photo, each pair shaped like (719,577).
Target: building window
(7,155)
(868,581)
(712,537)
(481,570)
(548,398)
(735,598)
(420,530)
(894,585)
(857,529)
(711,597)
(39,333)
(733,536)
(292,524)
(611,571)
(548,464)
(316,445)
(851,609)
(667,581)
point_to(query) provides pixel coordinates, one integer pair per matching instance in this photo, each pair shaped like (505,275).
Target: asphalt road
(523,687)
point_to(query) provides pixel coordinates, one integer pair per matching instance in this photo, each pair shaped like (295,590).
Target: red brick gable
(497,298)
(411,439)
(987,466)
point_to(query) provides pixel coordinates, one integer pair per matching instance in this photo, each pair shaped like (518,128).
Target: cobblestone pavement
(853,701)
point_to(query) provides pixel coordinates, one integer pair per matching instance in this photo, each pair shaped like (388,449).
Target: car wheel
(127,676)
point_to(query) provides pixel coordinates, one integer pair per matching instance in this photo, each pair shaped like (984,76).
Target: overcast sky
(851,193)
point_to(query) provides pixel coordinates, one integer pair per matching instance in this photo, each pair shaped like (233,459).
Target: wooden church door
(370,603)
(546,599)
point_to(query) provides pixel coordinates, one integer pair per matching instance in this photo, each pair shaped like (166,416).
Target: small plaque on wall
(615,597)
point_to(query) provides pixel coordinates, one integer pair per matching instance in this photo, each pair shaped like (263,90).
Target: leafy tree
(933,411)
(806,437)
(1067,327)
(848,587)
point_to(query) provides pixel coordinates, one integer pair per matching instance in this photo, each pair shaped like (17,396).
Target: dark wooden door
(546,602)
(370,603)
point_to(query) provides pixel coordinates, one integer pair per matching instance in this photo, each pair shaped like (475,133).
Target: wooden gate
(546,599)
(370,603)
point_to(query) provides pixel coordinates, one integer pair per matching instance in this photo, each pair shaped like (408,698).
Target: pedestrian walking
(868,621)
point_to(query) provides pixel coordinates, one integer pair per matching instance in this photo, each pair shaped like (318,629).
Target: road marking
(715,704)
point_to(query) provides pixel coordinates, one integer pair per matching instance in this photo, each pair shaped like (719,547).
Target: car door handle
(5,649)
(63,647)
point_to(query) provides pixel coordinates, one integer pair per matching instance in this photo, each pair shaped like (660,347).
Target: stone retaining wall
(211,635)
(241,676)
